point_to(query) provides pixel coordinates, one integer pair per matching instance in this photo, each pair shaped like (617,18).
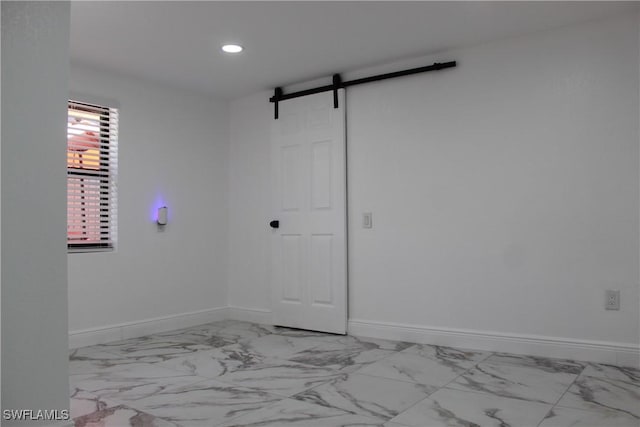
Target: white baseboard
(614,353)
(101,335)
(255,315)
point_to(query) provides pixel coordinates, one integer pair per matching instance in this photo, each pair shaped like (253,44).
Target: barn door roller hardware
(279,96)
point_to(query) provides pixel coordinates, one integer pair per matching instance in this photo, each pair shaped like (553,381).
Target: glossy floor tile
(374,397)
(565,417)
(592,393)
(515,381)
(294,413)
(280,377)
(131,384)
(545,364)
(242,374)
(429,365)
(341,357)
(205,403)
(448,407)
(120,416)
(84,402)
(616,373)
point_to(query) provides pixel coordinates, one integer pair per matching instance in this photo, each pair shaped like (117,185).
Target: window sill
(89,250)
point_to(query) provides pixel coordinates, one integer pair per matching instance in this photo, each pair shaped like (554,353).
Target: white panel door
(309,265)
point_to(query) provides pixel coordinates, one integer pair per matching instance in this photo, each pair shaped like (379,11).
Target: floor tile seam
(603,407)
(611,380)
(364,365)
(484,361)
(474,366)
(597,411)
(437,360)
(524,365)
(491,393)
(394,379)
(484,393)
(496,363)
(546,415)
(549,405)
(430,396)
(562,396)
(441,387)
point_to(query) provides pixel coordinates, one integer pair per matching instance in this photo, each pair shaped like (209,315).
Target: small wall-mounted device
(162,215)
(367,220)
(612,300)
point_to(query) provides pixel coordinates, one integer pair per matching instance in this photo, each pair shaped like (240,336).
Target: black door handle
(275,224)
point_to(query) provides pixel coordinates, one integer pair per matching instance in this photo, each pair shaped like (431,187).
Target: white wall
(173,150)
(504,192)
(518,179)
(0,226)
(35,70)
(250,202)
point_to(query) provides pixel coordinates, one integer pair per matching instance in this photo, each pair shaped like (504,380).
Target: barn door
(309,265)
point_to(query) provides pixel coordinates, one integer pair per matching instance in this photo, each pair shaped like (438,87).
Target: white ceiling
(178,43)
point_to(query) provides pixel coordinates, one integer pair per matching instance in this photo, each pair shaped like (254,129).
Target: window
(92,154)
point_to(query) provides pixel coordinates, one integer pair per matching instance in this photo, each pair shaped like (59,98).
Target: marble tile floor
(234,373)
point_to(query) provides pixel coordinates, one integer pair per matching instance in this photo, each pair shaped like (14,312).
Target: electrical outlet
(612,301)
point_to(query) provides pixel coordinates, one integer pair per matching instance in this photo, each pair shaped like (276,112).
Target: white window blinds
(92,165)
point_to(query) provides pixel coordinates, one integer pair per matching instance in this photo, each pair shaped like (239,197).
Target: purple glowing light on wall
(162,215)
(158,203)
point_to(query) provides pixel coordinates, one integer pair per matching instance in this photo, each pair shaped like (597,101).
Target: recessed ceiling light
(232,48)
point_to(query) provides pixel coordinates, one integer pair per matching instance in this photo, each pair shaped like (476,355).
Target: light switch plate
(367,220)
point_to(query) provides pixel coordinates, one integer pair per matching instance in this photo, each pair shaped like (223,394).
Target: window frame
(105,174)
